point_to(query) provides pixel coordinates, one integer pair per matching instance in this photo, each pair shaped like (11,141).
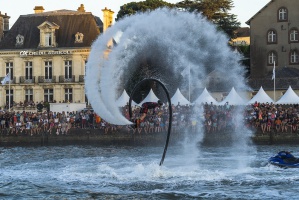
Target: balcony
(81,78)
(27,80)
(43,79)
(63,79)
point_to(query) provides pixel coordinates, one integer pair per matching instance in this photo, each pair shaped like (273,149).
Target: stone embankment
(96,137)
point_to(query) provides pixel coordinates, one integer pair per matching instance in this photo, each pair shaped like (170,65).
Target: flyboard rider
(144,110)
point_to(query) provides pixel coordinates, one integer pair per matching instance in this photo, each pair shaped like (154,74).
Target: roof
(69,22)
(248,22)
(243,32)
(284,77)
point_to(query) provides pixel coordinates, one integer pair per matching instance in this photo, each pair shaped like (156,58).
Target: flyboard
(169,107)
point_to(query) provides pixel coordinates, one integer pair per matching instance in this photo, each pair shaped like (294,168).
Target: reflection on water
(76,172)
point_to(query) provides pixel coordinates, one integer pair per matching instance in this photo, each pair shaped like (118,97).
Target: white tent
(205,97)
(233,98)
(261,97)
(124,100)
(151,97)
(179,98)
(290,97)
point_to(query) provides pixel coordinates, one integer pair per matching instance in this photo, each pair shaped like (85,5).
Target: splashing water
(161,43)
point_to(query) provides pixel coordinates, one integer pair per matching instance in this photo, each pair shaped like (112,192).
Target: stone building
(45,54)
(242,37)
(274,40)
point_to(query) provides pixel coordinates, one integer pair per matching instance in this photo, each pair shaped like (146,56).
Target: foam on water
(136,171)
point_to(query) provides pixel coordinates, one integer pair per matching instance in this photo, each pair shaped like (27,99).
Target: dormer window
(48,40)
(19,40)
(47,34)
(79,37)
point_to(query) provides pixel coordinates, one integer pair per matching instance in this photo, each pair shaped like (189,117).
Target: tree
(142,6)
(217,11)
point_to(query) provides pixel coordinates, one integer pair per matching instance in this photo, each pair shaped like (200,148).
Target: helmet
(160,102)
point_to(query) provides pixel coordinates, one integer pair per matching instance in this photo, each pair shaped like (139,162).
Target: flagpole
(189,84)
(274,80)
(9,94)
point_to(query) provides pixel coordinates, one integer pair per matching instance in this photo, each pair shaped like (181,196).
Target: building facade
(274,39)
(242,37)
(45,55)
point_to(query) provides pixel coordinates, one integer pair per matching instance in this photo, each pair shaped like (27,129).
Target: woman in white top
(18,126)
(28,127)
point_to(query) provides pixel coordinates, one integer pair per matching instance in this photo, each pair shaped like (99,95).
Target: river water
(126,172)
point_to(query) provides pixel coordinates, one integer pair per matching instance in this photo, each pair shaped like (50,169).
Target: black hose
(169,107)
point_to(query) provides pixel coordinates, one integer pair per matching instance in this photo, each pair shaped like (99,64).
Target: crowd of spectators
(264,117)
(260,117)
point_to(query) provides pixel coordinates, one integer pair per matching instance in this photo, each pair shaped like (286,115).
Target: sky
(244,9)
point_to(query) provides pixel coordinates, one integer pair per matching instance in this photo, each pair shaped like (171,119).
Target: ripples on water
(90,172)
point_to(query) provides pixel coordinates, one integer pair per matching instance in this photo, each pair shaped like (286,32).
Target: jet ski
(284,159)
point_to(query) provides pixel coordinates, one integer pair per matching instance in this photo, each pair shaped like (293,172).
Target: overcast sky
(244,9)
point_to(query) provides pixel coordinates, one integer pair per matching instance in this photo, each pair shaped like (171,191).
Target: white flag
(185,72)
(6,79)
(273,74)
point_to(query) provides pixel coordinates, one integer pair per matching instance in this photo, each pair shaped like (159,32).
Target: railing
(43,79)
(27,80)
(63,79)
(81,78)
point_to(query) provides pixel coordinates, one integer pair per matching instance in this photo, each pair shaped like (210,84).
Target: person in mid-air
(144,109)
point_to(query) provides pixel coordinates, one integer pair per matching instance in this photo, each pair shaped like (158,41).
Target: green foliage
(245,51)
(142,6)
(217,11)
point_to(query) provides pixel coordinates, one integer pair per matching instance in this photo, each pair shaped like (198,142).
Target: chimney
(81,8)
(107,18)
(6,23)
(38,9)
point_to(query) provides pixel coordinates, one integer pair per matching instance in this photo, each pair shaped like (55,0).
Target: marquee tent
(179,98)
(151,97)
(289,97)
(205,97)
(233,98)
(261,97)
(124,100)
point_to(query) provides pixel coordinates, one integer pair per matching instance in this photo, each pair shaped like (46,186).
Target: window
(28,70)
(85,66)
(294,57)
(19,40)
(282,14)
(29,95)
(48,70)
(79,37)
(9,95)
(47,34)
(9,69)
(48,39)
(294,35)
(272,36)
(272,58)
(68,69)
(68,94)
(48,95)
